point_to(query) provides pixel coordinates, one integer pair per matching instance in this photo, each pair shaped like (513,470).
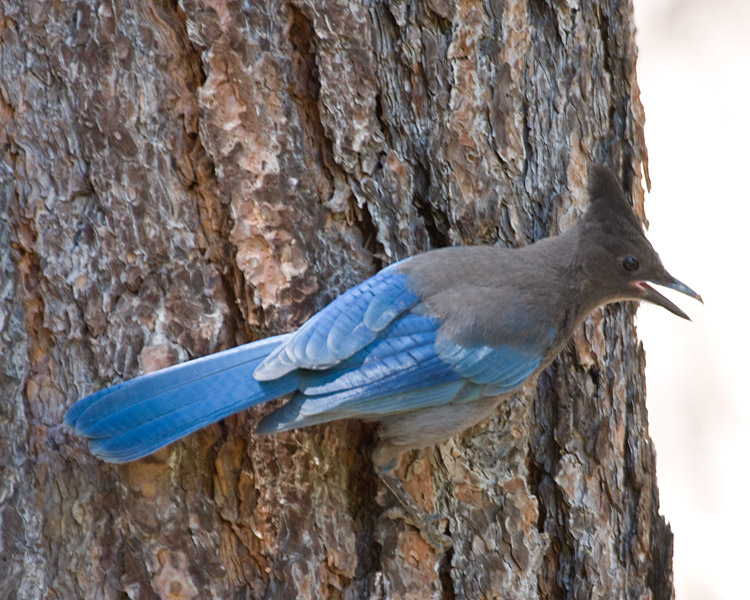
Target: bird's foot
(428,525)
(408,511)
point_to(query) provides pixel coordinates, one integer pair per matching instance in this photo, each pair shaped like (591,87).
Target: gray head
(617,260)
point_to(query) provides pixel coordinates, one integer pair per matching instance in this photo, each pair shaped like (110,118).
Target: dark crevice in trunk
(446,580)
(434,218)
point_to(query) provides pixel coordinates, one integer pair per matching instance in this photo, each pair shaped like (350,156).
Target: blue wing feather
(385,307)
(406,339)
(402,360)
(293,414)
(402,374)
(499,369)
(411,366)
(341,329)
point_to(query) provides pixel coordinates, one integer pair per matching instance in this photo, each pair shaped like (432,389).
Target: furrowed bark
(178,178)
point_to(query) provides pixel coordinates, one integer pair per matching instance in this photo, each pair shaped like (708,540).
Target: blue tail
(137,417)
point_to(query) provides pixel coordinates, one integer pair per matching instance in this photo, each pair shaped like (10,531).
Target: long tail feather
(137,417)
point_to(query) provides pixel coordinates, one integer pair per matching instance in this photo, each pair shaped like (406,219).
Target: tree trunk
(179,178)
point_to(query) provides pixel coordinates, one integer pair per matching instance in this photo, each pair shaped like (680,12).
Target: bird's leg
(409,511)
(415,516)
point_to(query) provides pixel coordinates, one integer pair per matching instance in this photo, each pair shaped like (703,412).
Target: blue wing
(499,369)
(410,366)
(344,327)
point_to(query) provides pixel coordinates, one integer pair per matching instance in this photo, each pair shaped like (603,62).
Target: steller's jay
(427,347)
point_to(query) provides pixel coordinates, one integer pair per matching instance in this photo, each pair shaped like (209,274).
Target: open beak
(650,294)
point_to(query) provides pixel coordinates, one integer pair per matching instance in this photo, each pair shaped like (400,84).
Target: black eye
(630,263)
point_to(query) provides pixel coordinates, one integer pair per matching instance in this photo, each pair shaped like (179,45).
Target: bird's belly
(429,426)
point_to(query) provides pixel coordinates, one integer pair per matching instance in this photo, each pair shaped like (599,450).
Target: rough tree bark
(178,178)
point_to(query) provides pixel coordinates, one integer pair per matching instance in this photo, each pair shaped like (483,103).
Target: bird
(427,347)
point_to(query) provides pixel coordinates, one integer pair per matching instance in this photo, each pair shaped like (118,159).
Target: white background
(694,73)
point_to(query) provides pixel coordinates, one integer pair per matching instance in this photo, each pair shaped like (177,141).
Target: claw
(408,511)
(426,524)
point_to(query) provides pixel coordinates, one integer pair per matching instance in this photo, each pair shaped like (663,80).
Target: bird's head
(617,261)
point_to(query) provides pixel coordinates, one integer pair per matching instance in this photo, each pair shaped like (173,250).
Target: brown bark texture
(178,178)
